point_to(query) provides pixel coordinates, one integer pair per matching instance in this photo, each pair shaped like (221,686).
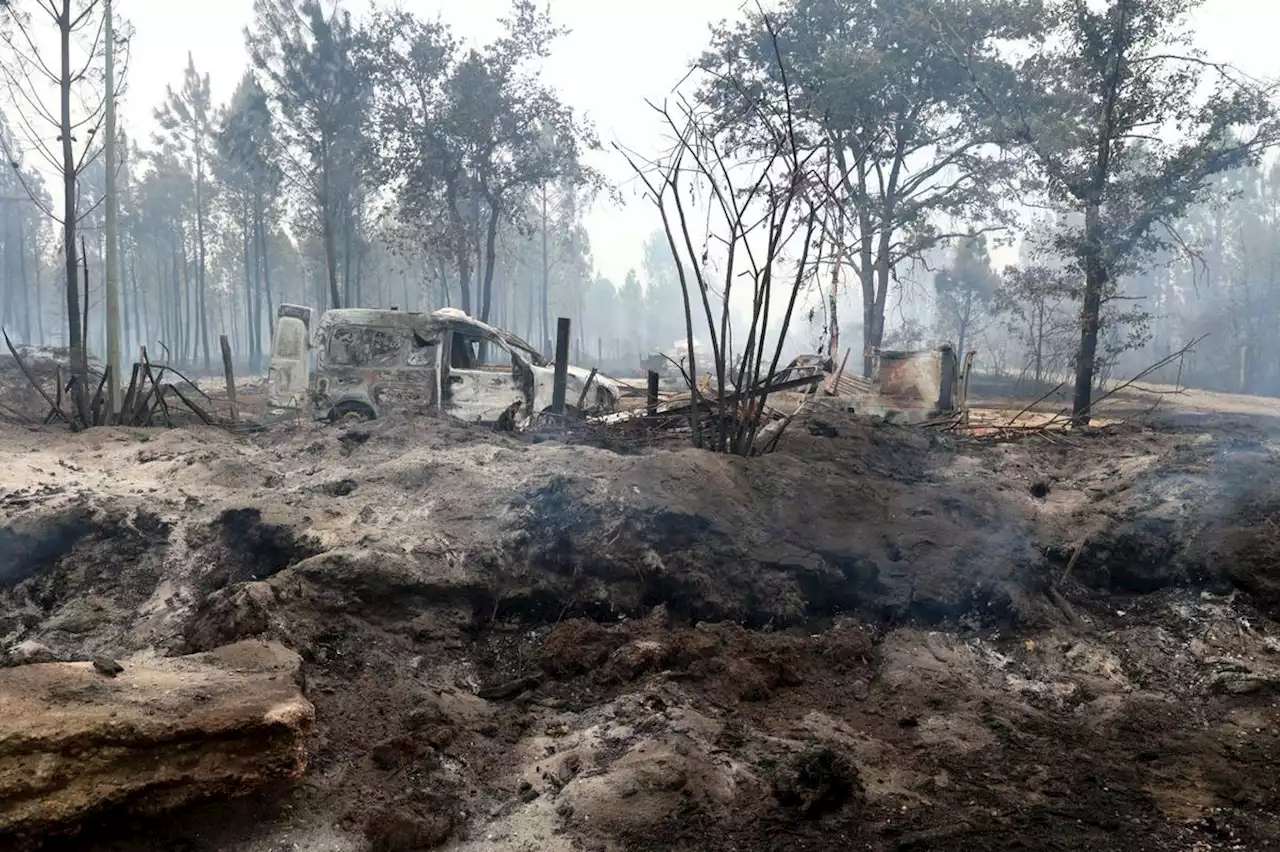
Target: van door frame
(519,369)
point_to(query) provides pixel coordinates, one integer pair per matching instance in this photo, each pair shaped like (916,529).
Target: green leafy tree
(468,136)
(663,297)
(308,61)
(46,47)
(22,228)
(881,107)
(1107,109)
(631,299)
(247,168)
(186,120)
(1034,301)
(408,60)
(965,290)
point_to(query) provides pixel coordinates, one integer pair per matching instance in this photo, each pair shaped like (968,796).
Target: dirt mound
(867,640)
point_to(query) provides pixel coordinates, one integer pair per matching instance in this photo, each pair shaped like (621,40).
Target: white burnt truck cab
(369,361)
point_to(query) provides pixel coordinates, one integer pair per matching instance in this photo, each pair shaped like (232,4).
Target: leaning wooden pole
(230,374)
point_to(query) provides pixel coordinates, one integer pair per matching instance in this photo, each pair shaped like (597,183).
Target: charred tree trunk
(965,313)
(39,306)
(75,331)
(327,227)
(866,275)
(202,305)
(264,259)
(545,342)
(347,292)
(141,332)
(22,281)
(1094,283)
(247,226)
(490,256)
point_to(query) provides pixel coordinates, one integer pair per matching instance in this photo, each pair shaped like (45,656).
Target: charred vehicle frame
(368,361)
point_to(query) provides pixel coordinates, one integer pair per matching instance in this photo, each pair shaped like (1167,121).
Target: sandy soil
(877,638)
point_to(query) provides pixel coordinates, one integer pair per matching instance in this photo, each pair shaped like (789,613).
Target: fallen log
(189,403)
(158,734)
(127,404)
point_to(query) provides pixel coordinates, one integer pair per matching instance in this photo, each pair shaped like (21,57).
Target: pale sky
(618,54)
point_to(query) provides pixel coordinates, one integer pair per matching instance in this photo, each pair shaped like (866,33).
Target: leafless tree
(761,228)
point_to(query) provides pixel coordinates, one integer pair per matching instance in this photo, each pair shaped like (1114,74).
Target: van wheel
(351,409)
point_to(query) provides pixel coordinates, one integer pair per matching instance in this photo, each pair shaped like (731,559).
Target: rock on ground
(161,733)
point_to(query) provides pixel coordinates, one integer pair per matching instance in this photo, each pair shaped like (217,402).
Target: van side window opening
(464,353)
(353,346)
(461,354)
(422,353)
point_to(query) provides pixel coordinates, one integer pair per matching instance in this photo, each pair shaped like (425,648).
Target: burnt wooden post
(125,417)
(653,392)
(562,365)
(947,375)
(231,377)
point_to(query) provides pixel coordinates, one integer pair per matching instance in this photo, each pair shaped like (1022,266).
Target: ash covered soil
(876,638)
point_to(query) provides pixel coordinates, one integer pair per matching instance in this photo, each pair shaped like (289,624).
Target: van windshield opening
(357,346)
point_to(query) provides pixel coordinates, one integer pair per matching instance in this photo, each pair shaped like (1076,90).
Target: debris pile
(875,637)
(157,394)
(742,419)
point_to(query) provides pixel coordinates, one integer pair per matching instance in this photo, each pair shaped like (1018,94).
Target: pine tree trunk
(35,256)
(964,322)
(347,293)
(184,295)
(327,226)
(249,276)
(203,304)
(141,334)
(125,324)
(545,342)
(265,260)
(22,279)
(75,332)
(164,315)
